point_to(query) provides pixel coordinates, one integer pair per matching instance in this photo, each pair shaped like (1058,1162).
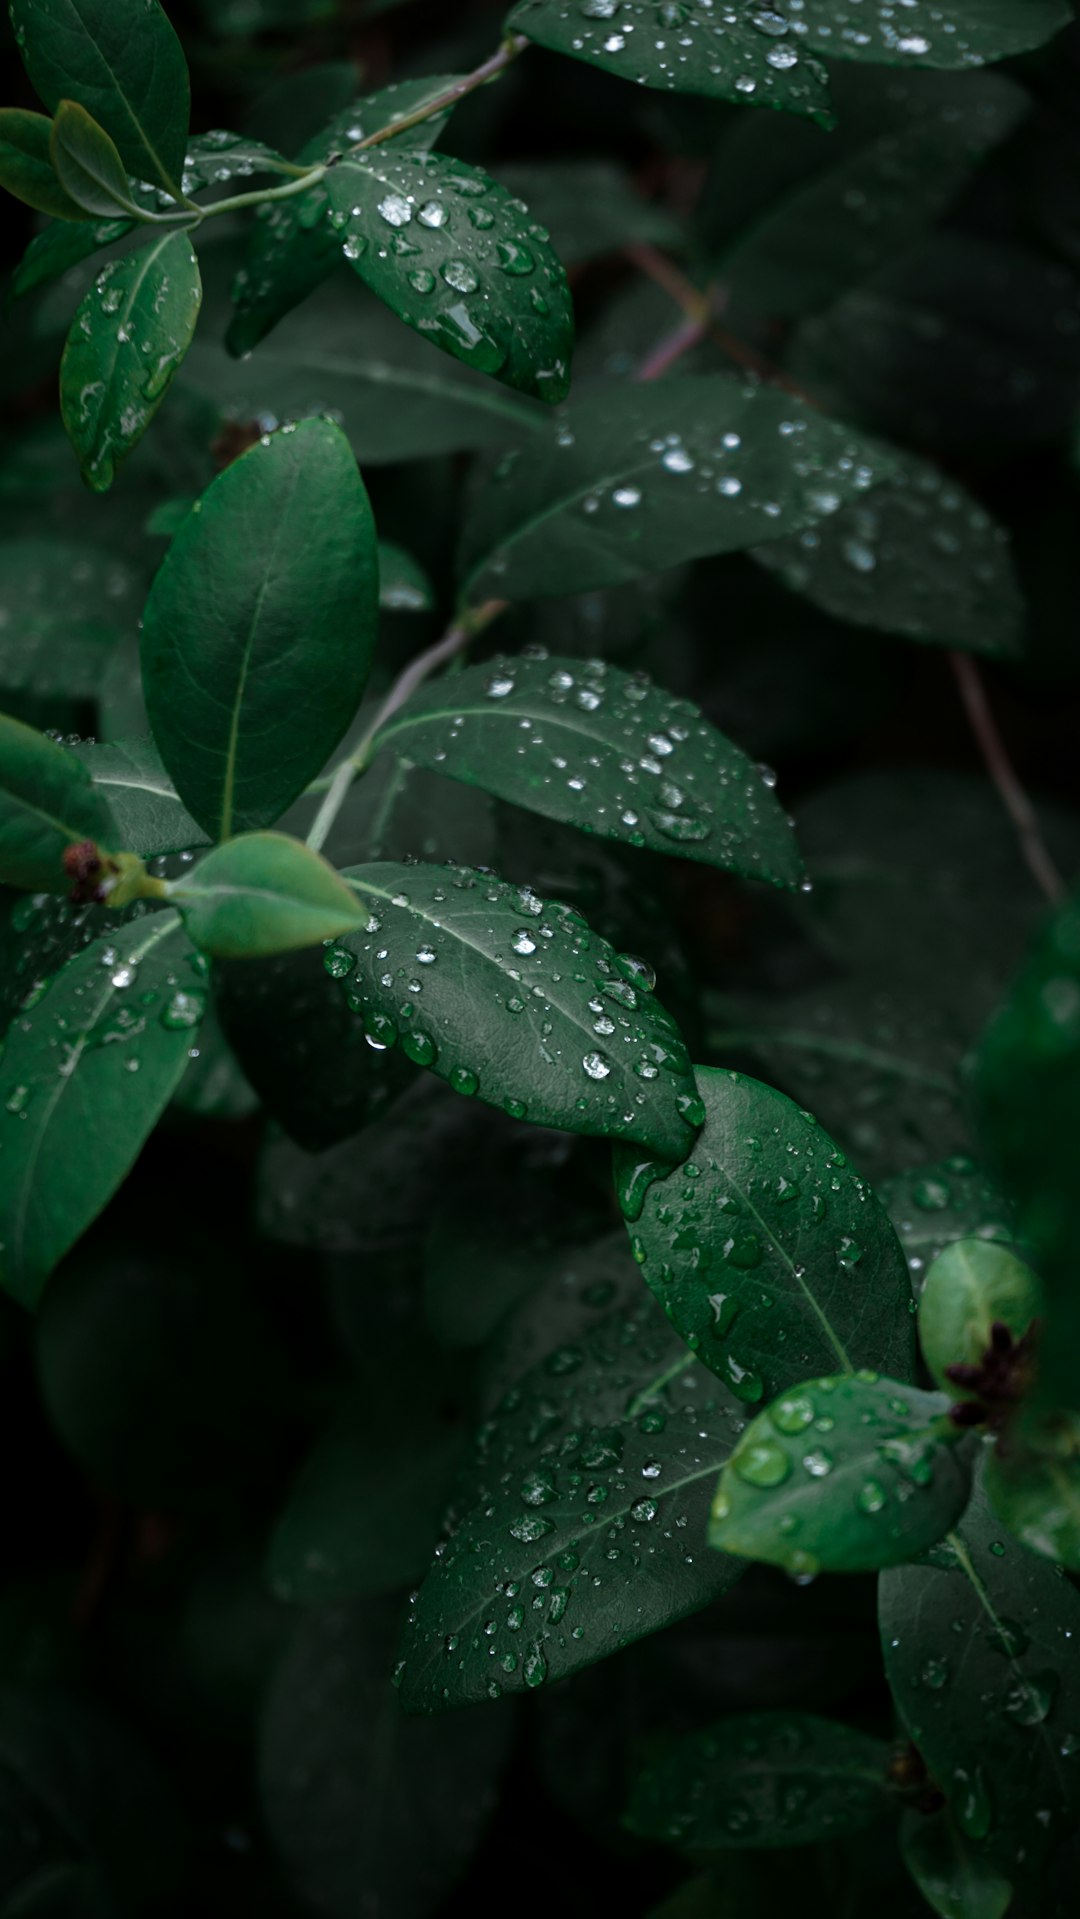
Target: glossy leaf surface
(933,33)
(47,803)
(87,163)
(63,244)
(767,1252)
(933,1204)
(26,165)
(149,817)
(264,893)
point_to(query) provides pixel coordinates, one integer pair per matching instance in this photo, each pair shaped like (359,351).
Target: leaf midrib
(163,173)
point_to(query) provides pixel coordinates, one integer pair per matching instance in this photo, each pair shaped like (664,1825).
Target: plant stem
(491,68)
(238,201)
(1001,770)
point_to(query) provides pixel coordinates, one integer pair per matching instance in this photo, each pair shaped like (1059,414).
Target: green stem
(238,201)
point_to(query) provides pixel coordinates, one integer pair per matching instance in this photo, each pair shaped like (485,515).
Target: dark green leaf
(969,1287)
(274,575)
(980,1652)
(935,33)
(60,247)
(768,1253)
(149,818)
(589,207)
(761,1779)
(633,481)
(26,165)
(581,1286)
(685,47)
(46,803)
(404,587)
(455,257)
(842,1474)
(213,159)
(128,337)
(919,558)
(579,1519)
(1033,1484)
(121,60)
(87,163)
(86,1071)
(950,1872)
(297,105)
(67,604)
(264,893)
(932,1205)
(512,998)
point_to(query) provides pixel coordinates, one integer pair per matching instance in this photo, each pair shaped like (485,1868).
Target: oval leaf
(26,165)
(87,163)
(842,1474)
(127,339)
(972,1285)
(602,750)
(930,33)
(636,480)
(766,1250)
(47,802)
(260,626)
(264,893)
(953,1877)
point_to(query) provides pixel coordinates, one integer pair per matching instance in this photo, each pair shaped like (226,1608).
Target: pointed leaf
(121,60)
(761,1779)
(930,33)
(47,803)
(969,1287)
(605,751)
(62,245)
(259,628)
(685,47)
(264,893)
(512,998)
(636,480)
(26,165)
(768,1253)
(128,337)
(614,1439)
(87,163)
(85,1074)
(949,1870)
(842,1474)
(455,257)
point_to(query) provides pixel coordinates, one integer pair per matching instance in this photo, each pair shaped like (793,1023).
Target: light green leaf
(919,558)
(127,339)
(68,603)
(59,247)
(761,1779)
(85,1073)
(615,1438)
(636,480)
(264,893)
(1033,1484)
(949,1870)
(980,1653)
(260,626)
(589,207)
(149,817)
(605,751)
(930,33)
(87,163)
(455,257)
(684,47)
(47,803)
(121,60)
(768,1253)
(514,999)
(969,1287)
(404,587)
(26,165)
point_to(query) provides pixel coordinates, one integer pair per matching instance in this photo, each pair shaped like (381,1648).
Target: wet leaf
(933,33)
(26,165)
(972,1285)
(636,480)
(949,1870)
(512,998)
(121,60)
(47,803)
(64,604)
(86,1072)
(605,751)
(149,817)
(842,1474)
(980,1654)
(213,159)
(936,1203)
(87,163)
(579,1521)
(59,247)
(1033,1484)
(767,1252)
(264,893)
(127,340)
(273,574)
(460,261)
(761,1779)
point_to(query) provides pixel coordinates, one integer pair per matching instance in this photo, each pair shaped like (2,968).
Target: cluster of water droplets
(940,1202)
(128,338)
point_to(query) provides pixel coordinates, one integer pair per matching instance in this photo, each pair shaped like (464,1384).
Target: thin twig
(511,47)
(703,308)
(1001,770)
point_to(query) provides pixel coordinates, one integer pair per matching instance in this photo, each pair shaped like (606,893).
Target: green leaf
(684,48)
(260,626)
(68,603)
(980,1653)
(149,818)
(610,1444)
(213,159)
(368,1810)
(513,999)
(85,1073)
(761,1779)
(589,207)
(26,165)
(455,257)
(611,754)
(969,1287)
(128,338)
(264,893)
(47,803)
(932,1205)
(121,60)
(292,246)
(583,1284)
(842,1474)
(767,1252)
(919,558)
(933,33)
(404,587)
(61,246)
(636,480)
(952,1875)
(1033,1484)
(87,163)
